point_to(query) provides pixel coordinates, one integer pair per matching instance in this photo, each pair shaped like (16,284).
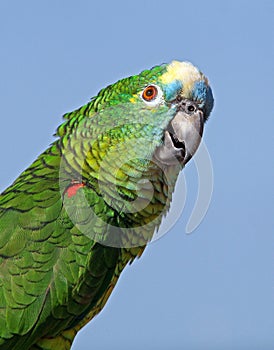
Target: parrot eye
(150,93)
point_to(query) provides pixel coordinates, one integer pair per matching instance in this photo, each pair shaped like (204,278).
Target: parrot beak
(183,135)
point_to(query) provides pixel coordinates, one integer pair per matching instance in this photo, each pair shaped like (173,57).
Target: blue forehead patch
(202,93)
(171,90)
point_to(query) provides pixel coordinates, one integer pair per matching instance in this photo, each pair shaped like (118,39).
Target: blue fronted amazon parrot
(89,204)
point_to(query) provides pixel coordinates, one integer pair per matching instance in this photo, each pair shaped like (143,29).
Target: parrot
(89,205)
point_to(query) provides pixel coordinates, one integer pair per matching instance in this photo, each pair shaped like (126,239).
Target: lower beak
(182,138)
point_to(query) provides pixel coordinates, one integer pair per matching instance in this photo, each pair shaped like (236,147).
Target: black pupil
(150,92)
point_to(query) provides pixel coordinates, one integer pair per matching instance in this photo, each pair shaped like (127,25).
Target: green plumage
(82,211)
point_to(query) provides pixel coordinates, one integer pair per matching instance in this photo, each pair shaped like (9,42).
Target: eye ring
(150,93)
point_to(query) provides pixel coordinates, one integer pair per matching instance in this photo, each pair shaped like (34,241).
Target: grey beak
(182,137)
(189,130)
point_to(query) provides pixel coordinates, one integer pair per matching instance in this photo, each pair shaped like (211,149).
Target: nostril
(186,105)
(190,108)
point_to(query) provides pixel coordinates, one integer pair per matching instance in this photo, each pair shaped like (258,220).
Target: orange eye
(150,93)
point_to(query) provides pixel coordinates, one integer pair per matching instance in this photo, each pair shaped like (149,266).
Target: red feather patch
(73,188)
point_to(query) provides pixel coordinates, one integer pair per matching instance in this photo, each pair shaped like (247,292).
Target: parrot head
(177,90)
(186,91)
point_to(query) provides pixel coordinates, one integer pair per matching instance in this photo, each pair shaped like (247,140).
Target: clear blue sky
(212,289)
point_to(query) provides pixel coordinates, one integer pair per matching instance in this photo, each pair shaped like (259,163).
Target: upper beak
(182,136)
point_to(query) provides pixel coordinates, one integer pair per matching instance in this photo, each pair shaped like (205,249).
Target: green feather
(83,210)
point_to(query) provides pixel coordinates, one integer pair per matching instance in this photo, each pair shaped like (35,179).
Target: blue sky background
(212,289)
